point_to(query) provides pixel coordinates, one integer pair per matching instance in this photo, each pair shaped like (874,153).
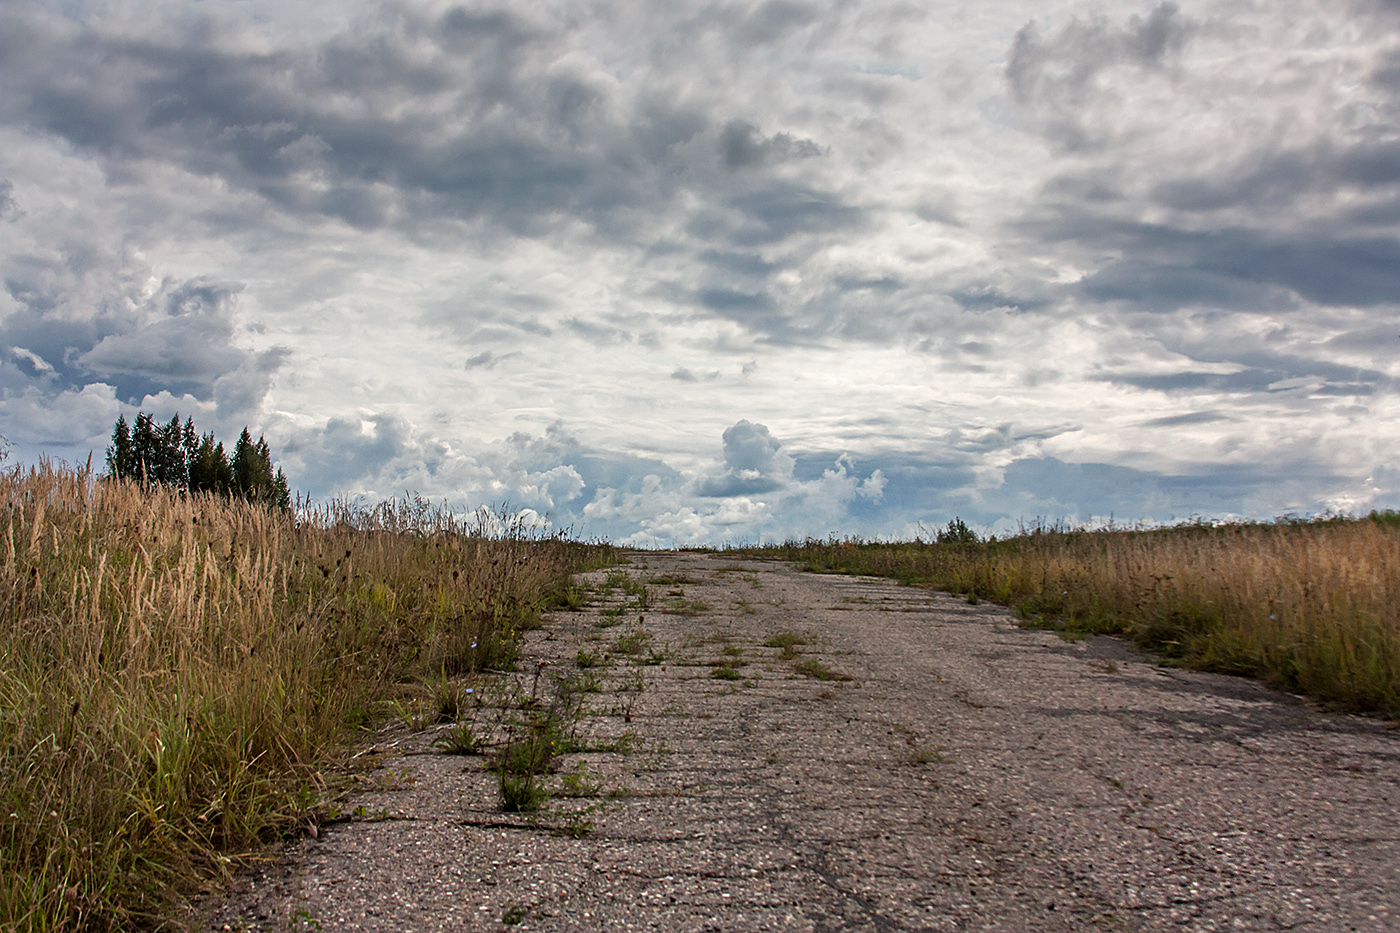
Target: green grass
(1311,606)
(178,675)
(788,642)
(819,671)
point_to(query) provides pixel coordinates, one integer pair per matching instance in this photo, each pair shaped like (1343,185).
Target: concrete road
(970,775)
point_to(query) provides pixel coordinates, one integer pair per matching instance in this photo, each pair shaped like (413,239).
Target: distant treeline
(178,456)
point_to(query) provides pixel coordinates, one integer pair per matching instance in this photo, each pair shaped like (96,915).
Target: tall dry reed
(176,672)
(1310,606)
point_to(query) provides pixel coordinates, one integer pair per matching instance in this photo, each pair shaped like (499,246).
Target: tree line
(176,455)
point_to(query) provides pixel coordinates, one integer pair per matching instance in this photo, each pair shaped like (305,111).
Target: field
(1310,606)
(179,674)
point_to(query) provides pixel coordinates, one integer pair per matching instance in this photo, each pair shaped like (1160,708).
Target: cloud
(741,145)
(86,319)
(1099,491)
(488,359)
(470,114)
(962,266)
(1060,78)
(179,337)
(754,463)
(9,210)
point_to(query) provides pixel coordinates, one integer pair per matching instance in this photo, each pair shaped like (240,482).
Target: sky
(675,273)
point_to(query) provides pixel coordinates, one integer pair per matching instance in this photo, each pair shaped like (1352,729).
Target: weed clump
(819,671)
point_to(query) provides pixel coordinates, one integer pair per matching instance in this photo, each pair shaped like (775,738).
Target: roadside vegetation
(181,671)
(1310,606)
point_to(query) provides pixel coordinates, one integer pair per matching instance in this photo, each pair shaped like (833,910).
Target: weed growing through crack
(459,739)
(611,617)
(578,783)
(632,643)
(680,606)
(788,642)
(819,671)
(572,598)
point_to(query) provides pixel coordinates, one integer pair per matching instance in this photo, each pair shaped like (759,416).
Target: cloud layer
(688,273)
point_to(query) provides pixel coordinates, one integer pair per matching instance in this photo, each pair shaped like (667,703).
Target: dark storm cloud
(184,339)
(1059,76)
(741,145)
(179,339)
(775,19)
(347,450)
(1098,490)
(784,209)
(987,298)
(466,115)
(8,209)
(729,264)
(1170,267)
(1366,173)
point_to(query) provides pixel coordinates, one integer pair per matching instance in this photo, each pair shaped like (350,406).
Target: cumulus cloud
(754,463)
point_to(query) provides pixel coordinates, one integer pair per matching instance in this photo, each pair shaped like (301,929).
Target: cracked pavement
(971,775)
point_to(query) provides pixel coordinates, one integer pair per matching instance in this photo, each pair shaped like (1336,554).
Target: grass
(680,606)
(788,642)
(179,674)
(818,671)
(1310,606)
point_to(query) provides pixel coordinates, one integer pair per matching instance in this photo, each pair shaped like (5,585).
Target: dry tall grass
(1310,606)
(175,673)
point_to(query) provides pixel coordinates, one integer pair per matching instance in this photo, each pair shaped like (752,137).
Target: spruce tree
(176,455)
(144,449)
(210,470)
(120,458)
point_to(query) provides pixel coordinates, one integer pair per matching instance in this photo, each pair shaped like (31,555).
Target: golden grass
(1309,606)
(177,672)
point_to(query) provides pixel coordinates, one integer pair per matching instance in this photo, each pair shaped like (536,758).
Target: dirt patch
(764,749)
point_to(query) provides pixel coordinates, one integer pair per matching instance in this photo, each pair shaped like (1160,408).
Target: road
(970,775)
